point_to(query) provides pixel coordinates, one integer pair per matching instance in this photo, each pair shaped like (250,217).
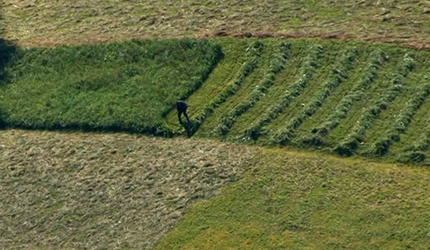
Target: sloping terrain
(47,23)
(105,191)
(310,201)
(347,98)
(126,86)
(253,72)
(98,191)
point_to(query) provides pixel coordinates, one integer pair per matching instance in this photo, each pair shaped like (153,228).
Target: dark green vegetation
(347,98)
(301,201)
(105,191)
(121,86)
(47,22)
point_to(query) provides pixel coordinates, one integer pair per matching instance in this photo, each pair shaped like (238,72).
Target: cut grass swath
(415,153)
(348,146)
(377,58)
(294,91)
(337,76)
(253,54)
(403,119)
(277,64)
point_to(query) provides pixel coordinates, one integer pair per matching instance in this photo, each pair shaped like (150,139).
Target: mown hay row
(357,92)
(307,71)
(337,76)
(415,153)
(403,119)
(253,54)
(348,146)
(277,64)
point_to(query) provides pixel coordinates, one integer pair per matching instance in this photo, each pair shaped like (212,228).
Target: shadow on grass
(6,52)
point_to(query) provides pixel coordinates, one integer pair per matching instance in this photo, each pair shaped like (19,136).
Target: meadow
(111,190)
(346,98)
(125,86)
(310,124)
(114,190)
(48,23)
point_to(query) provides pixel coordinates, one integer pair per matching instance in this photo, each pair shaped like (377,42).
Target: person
(182,106)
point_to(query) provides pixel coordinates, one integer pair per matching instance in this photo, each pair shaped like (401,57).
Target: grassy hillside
(346,98)
(105,191)
(120,86)
(71,190)
(44,22)
(300,201)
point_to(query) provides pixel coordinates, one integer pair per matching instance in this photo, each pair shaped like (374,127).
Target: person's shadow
(189,128)
(6,52)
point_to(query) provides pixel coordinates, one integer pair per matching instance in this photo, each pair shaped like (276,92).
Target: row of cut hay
(277,64)
(415,152)
(341,111)
(307,71)
(253,54)
(402,121)
(348,146)
(337,76)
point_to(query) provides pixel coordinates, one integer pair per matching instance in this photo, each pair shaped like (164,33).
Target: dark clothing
(181,106)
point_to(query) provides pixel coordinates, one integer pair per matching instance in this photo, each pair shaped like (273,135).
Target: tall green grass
(120,86)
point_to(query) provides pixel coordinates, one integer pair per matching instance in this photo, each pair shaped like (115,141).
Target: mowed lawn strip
(296,201)
(121,86)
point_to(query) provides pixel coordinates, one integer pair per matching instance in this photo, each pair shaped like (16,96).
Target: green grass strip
(403,119)
(337,76)
(357,92)
(277,64)
(125,86)
(415,153)
(348,146)
(253,53)
(307,71)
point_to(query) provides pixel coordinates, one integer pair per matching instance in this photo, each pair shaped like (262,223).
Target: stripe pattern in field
(345,98)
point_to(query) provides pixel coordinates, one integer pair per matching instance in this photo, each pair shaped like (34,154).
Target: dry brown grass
(104,191)
(50,23)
